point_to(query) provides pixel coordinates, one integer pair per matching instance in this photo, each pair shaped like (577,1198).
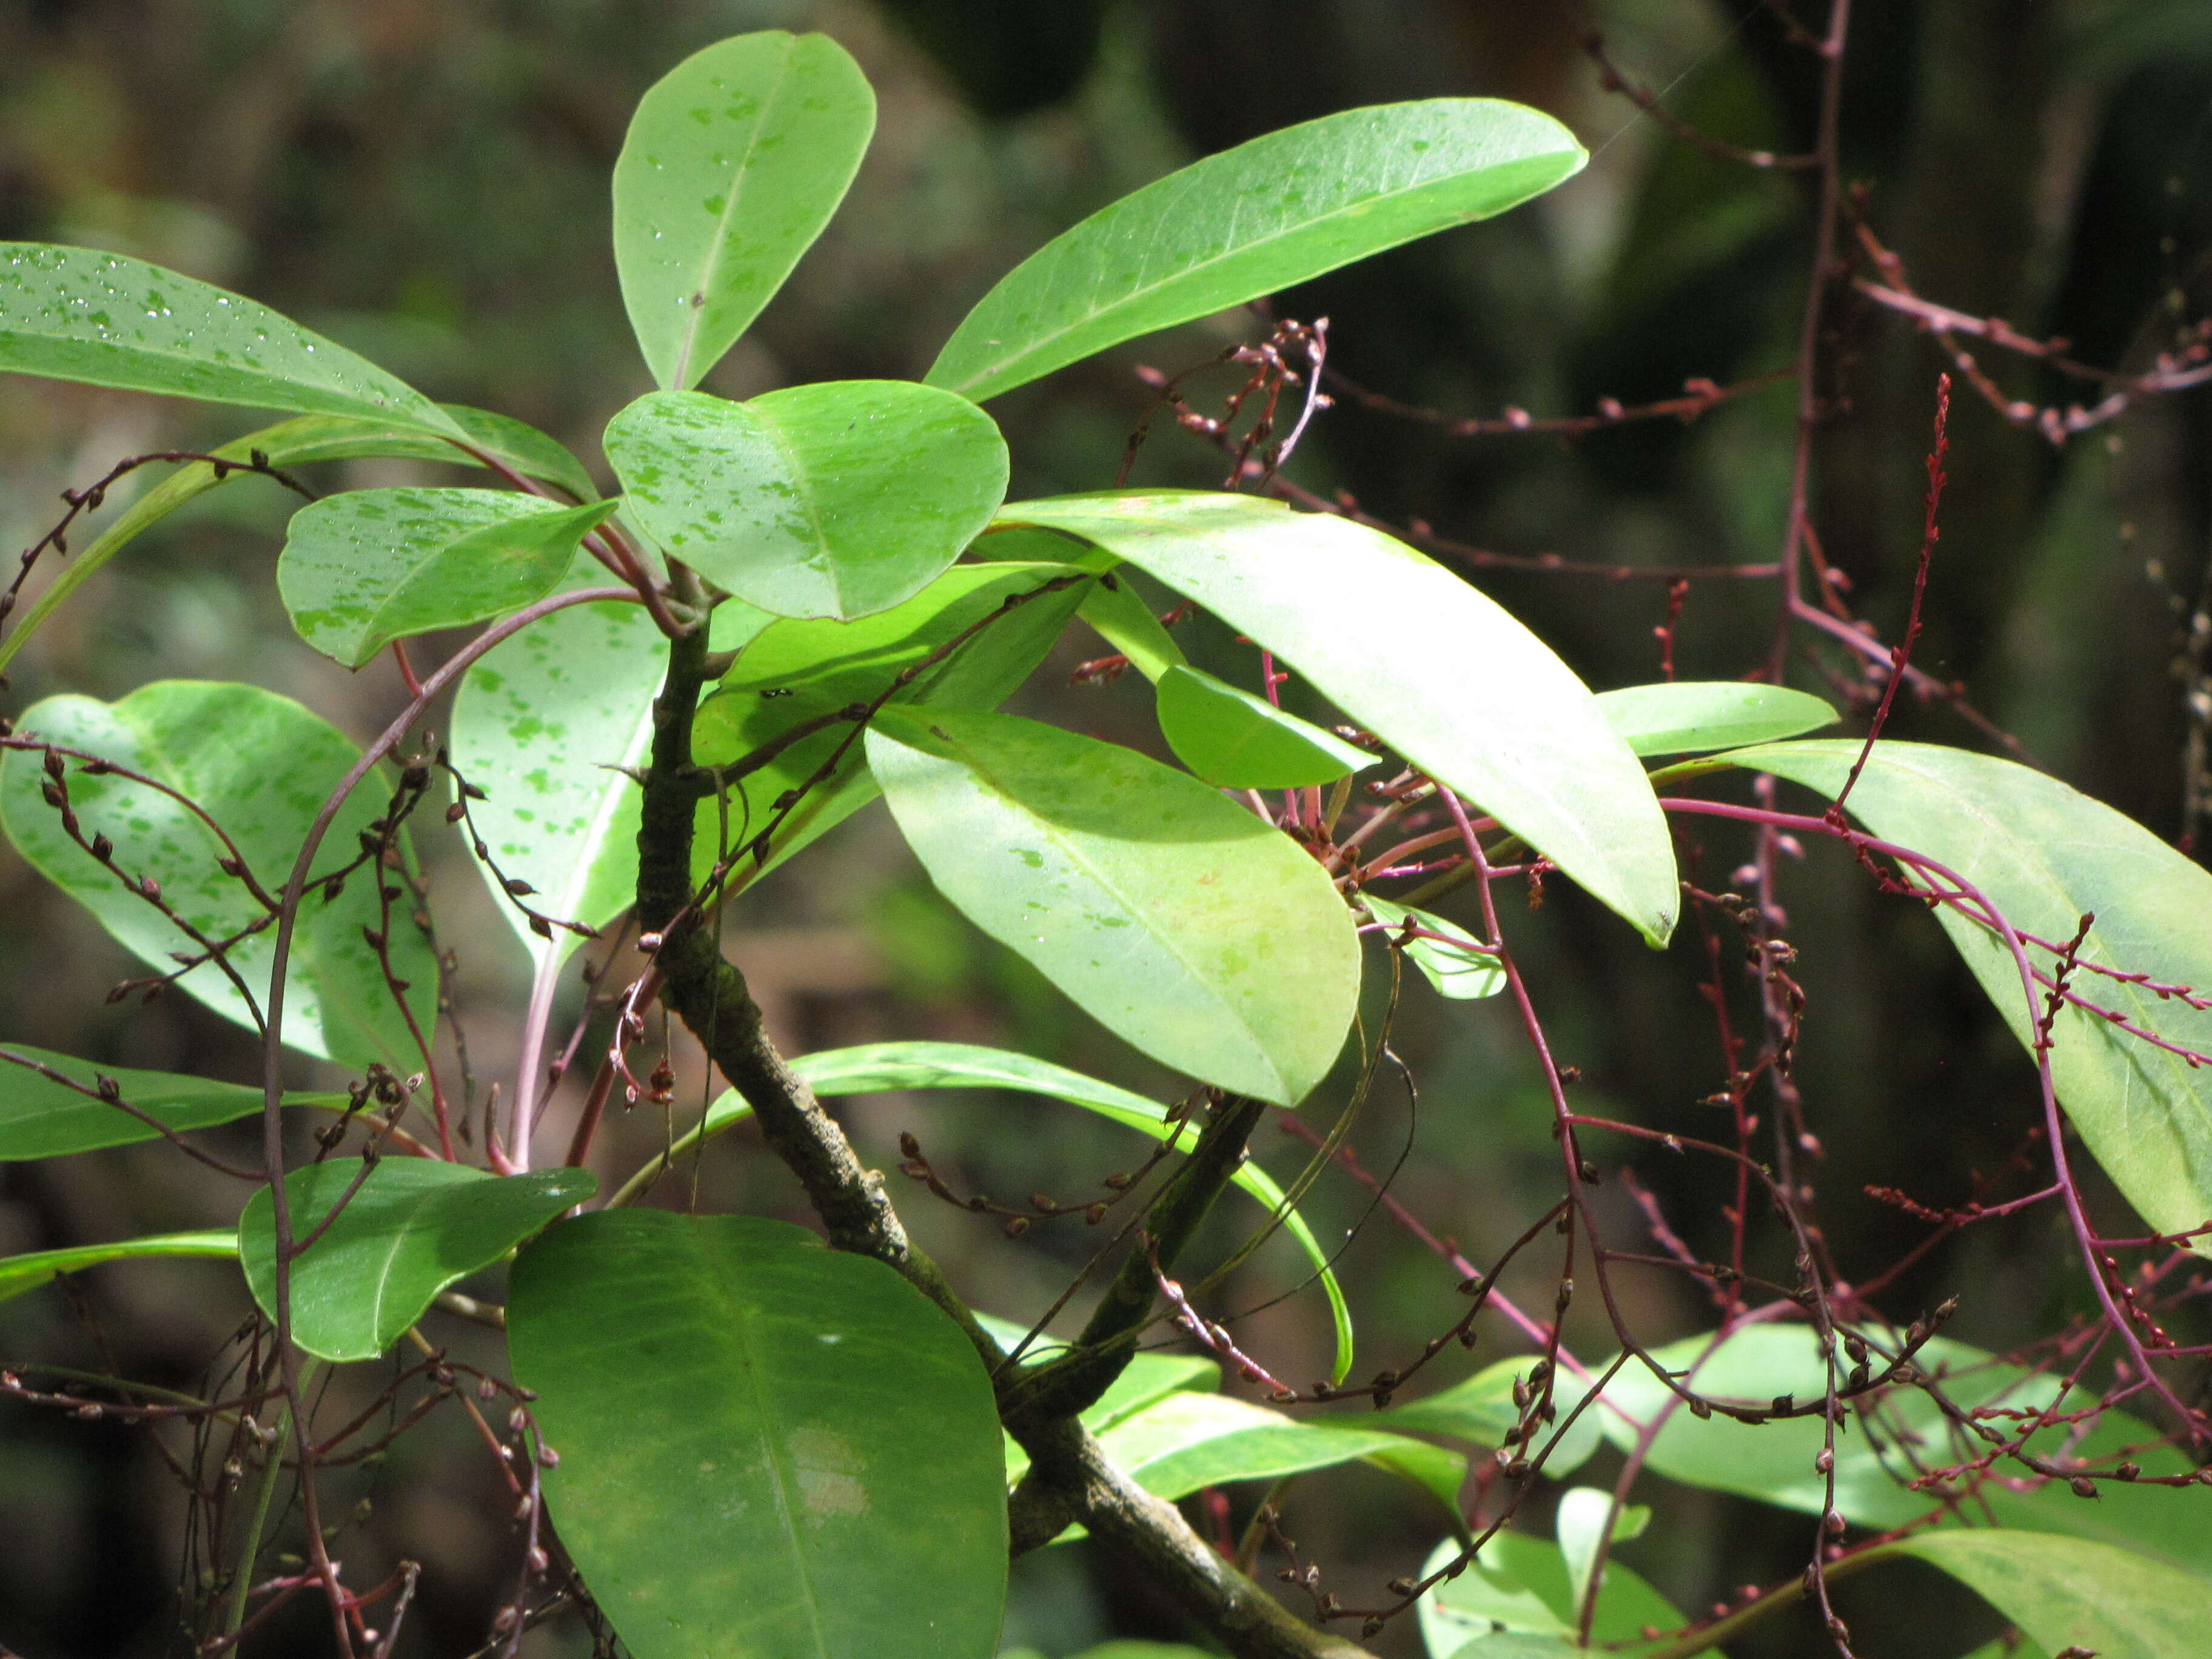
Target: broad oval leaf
(769,1449)
(2070,1596)
(41,1118)
(361,569)
(22,1274)
(295,443)
(75,314)
(1461,969)
(798,669)
(415,1226)
(1412,653)
(1234,739)
(1688,717)
(261,765)
(1587,1517)
(1172,915)
(1281,209)
(545,725)
(839,499)
(2046,855)
(733,162)
(1518,1586)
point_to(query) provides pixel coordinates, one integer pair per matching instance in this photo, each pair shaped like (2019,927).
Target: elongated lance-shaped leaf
(1236,740)
(1461,969)
(545,725)
(1518,1586)
(260,766)
(733,163)
(22,1273)
(1482,1409)
(364,568)
(1413,653)
(802,670)
(2046,855)
(41,1118)
(295,443)
(768,1449)
(2070,1596)
(74,314)
(1282,207)
(1176,917)
(1686,717)
(1125,621)
(838,500)
(413,1227)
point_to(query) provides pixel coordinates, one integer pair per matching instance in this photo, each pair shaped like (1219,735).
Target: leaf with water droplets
(74,314)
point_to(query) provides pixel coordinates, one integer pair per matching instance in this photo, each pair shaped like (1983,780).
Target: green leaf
(1251,221)
(1685,717)
(261,765)
(1173,916)
(21,1273)
(364,568)
(881,1065)
(837,499)
(1125,621)
(1146,1379)
(415,1226)
(2045,856)
(1518,1586)
(545,725)
(799,669)
(1186,1441)
(41,1118)
(1236,740)
(1480,1409)
(295,443)
(1411,652)
(733,163)
(2068,1593)
(75,314)
(1587,1517)
(1461,972)
(768,1449)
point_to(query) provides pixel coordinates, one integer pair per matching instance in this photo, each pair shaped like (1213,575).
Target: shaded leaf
(1172,915)
(2045,855)
(1282,207)
(838,500)
(21,1273)
(415,1226)
(1684,717)
(75,314)
(1412,653)
(361,569)
(768,1449)
(41,1118)
(1125,621)
(2068,1593)
(1461,972)
(1518,1588)
(1480,1409)
(1232,738)
(734,161)
(261,765)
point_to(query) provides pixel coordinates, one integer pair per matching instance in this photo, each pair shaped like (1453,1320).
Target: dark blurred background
(426,181)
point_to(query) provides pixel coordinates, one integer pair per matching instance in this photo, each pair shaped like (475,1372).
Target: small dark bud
(471,792)
(415,777)
(102,848)
(519,888)
(542,927)
(456,812)
(2083,1486)
(53,765)
(230,867)
(150,888)
(110,1089)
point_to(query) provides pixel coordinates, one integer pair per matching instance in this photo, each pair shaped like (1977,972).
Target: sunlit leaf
(75,314)
(1125,621)
(364,568)
(21,1273)
(41,1118)
(415,1226)
(1685,717)
(734,161)
(1462,969)
(1250,221)
(260,766)
(838,500)
(1586,1518)
(1231,737)
(1173,916)
(1412,653)
(768,1449)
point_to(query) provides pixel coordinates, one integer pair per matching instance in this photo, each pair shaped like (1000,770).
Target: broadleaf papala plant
(729,1435)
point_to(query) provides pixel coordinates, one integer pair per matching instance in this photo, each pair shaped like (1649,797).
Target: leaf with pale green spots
(734,161)
(364,568)
(1687,717)
(1176,917)
(1236,740)
(22,1273)
(42,1118)
(261,767)
(75,314)
(1457,964)
(835,499)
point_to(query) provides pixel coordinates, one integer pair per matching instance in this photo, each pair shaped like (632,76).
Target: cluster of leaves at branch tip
(775,1442)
